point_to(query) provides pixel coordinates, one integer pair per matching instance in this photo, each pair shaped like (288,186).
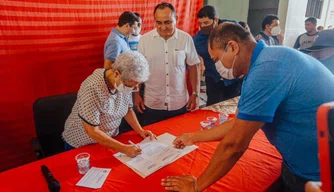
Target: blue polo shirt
(116,44)
(284,89)
(201,44)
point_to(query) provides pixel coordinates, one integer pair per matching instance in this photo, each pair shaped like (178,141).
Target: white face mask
(137,31)
(275,31)
(222,70)
(123,89)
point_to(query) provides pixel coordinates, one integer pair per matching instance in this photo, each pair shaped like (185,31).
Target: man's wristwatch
(195,93)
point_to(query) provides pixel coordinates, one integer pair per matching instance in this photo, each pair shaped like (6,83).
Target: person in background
(244,25)
(320,28)
(217,89)
(323,49)
(168,51)
(306,40)
(104,98)
(330,26)
(117,41)
(277,96)
(135,36)
(271,31)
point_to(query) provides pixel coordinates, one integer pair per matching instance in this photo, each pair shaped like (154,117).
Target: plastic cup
(83,162)
(222,118)
(205,124)
(213,120)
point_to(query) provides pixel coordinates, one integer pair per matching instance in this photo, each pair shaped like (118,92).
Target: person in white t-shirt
(134,37)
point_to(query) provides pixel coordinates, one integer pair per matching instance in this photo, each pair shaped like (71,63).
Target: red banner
(50,48)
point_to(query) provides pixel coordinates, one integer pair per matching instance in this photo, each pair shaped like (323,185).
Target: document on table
(94,178)
(155,155)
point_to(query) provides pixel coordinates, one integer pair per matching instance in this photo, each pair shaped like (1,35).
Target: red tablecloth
(255,171)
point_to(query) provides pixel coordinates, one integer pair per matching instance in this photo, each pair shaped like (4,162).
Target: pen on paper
(134,144)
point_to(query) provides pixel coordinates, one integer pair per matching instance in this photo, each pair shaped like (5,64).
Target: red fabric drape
(49,48)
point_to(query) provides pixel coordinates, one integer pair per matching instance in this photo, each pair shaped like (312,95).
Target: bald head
(228,31)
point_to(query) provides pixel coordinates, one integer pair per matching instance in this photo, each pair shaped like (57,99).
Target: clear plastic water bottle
(222,118)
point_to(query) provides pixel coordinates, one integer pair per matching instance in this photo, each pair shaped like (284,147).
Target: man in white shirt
(169,51)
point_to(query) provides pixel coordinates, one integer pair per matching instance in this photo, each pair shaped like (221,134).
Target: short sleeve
(191,53)
(297,44)
(130,101)
(89,105)
(263,90)
(113,50)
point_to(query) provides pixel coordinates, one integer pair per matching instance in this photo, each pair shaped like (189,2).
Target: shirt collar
(257,50)
(113,92)
(175,35)
(264,36)
(116,31)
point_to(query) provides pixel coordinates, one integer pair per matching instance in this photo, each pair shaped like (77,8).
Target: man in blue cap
(217,88)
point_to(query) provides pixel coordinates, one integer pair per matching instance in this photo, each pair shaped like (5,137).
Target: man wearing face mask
(277,96)
(219,86)
(104,98)
(271,31)
(168,51)
(117,41)
(134,37)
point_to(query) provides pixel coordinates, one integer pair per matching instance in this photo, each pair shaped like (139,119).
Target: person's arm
(216,133)
(112,51)
(138,100)
(102,138)
(228,152)
(193,61)
(193,77)
(131,118)
(297,44)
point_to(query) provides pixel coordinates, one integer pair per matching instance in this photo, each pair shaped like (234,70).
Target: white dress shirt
(166,88)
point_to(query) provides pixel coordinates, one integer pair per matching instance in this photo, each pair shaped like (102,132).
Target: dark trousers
(288,182)
(217,91)
(151,116)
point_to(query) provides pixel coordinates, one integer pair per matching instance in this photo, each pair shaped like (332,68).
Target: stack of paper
(155,155)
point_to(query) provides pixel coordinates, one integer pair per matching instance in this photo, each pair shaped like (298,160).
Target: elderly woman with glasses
(104,98)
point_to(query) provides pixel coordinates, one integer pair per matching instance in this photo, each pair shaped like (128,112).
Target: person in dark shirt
(217,88)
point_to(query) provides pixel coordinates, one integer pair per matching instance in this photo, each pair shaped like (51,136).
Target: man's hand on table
(146,133)
(183,140)
(185,183)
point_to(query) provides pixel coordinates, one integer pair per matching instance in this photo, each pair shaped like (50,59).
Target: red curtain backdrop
(50,48)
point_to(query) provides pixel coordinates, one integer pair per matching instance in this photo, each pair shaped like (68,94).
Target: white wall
(231,9)
(330,15)
(295,17)
(282,12)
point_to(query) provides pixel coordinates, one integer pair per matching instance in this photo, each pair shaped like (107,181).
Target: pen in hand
(134,144)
